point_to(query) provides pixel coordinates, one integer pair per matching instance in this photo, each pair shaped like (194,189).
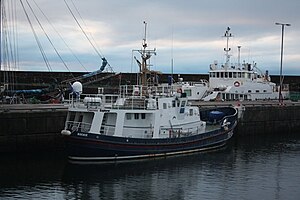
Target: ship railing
(107,101)
(142,91)
(78,126)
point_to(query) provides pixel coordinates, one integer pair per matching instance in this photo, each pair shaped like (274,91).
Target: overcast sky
(187,31)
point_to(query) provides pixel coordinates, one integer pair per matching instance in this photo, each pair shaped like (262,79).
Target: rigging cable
(60,36)
(36,38)
(8,44)
(91,35)
(98,53)
(48,38)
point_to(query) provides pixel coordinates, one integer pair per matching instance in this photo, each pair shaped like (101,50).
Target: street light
(281,57)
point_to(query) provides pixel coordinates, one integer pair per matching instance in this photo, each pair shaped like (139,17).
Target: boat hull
(95,147)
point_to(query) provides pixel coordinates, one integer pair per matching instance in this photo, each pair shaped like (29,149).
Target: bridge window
(173,103)
(143,115)
(182,103)
(164,105)
(128,116)
(136,115)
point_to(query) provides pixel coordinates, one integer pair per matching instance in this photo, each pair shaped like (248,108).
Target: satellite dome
(77,87)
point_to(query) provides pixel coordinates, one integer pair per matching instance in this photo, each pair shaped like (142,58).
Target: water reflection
(249,168)
(166,178)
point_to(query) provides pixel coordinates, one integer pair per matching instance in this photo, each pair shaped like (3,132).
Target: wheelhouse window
(234,75)
(182,103)
(173,104)
(136,115)
(188,92)
(128,116)
(143,115)
(164,105)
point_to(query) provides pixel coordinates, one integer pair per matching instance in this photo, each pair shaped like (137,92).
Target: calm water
(252,168)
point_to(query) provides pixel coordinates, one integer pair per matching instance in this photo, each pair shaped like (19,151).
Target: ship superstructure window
(182,103)
(164,105)
(257,91)
(249,91)
(265,90)
(239,74)
(128,116)
(136,115)
(143,115)
(188,92)
(247,76)
(191,112)
(230,74)
(234,75)
(173,104)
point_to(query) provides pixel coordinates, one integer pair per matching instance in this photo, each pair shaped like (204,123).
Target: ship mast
(145,56)
(227,49)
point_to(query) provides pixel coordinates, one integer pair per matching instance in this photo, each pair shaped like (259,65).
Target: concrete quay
(36,127)
(31,127)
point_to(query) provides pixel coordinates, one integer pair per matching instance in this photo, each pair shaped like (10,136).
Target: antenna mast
(145,56)
(227,49)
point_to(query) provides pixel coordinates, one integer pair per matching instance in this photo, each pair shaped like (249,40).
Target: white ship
(241,81)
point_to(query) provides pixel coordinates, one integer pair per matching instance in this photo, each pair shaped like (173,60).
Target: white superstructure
(240,81)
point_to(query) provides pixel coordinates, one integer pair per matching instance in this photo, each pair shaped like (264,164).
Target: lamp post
(281,58)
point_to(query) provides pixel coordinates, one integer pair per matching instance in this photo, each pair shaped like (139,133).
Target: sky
(188,32)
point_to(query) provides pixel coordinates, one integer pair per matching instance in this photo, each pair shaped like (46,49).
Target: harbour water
(255,167)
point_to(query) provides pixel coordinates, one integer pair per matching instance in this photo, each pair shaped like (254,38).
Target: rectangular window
(173,103)
(191,112)
(188,92)
(143,115)
(136,115)
(128,116)
(164,106)
(234,75)
(182,103)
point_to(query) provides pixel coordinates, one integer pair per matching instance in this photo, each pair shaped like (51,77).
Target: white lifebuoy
(237,84)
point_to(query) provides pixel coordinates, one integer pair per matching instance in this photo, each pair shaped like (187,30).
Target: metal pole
(281,57)
(281,60)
